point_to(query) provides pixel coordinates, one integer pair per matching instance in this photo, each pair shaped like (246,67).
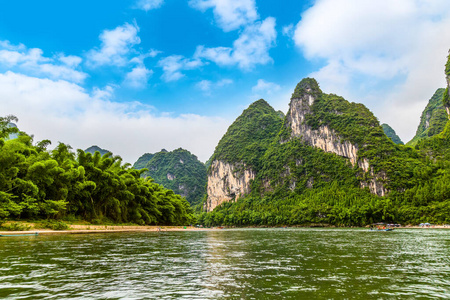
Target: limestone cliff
(237,157)
(301,108)
(323,137)
(227,182)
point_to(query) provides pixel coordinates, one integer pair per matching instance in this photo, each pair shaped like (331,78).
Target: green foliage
(53,224)
(5,126)
(438,146)
(180,171)
(15,227)
(390,133)
(39,184)
(142,161)
(307,85)
(433,118)
(247,139)
(447,66)
(353,121)
(446,98)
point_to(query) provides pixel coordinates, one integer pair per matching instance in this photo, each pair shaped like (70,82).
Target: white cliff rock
(227,182)
(328,140)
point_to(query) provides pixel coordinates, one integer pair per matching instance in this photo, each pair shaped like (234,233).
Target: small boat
(381,227)
(24,234)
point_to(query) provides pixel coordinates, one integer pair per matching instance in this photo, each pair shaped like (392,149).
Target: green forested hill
(297,183)
(248,138)
(433,118)
(36,183)
(143,161)
(391,134)
(178,170)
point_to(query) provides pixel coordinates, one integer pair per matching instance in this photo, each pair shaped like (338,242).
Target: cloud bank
(390,55)
(84,119)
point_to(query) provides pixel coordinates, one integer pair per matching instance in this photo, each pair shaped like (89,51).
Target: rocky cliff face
(227,182)
(324,137)
(237,157)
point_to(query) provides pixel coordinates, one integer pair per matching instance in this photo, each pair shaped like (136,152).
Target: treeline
(337,205)
(36,183)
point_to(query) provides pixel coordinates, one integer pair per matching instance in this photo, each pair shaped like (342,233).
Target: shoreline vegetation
(91,229)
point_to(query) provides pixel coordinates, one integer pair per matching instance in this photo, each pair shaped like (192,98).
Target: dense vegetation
(178,170)
(300,184)
(248,138)
(433,119)
(142,161)
(390,133)
(36,183)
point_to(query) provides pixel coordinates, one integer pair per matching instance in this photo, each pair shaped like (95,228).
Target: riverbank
(90,229)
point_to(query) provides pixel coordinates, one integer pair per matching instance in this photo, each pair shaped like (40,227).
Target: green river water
(229,264)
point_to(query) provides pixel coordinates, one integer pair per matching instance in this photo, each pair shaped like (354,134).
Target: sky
(137,76)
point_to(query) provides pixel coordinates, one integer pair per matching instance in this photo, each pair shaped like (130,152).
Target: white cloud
(138,77)
(174,64)
(34,62)
(389,55)
(149,4)
(288,30)
(250,49)
(204,85)
(94,119)
(207,85)
(140,58)
(224,82)
(8,46)
(229,14)
(71,61)
(265,87)
(116,46)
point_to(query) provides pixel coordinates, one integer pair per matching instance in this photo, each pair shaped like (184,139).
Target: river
(276,263)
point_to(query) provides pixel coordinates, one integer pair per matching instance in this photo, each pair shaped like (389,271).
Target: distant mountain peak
(96,148)
(390,132)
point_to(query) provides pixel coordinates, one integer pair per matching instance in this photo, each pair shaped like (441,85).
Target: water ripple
(228,264)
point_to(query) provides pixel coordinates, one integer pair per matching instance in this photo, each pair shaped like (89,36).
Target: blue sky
(140,75)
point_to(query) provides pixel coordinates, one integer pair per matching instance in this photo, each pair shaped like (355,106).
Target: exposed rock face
(227,182)
(326,138)
(376,184)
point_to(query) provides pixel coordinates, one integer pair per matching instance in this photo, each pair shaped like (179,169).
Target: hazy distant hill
(95,148)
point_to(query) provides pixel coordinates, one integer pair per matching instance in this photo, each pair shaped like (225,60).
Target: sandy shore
(90,229)
(86,229)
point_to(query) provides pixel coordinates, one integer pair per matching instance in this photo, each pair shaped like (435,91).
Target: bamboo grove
(36,183)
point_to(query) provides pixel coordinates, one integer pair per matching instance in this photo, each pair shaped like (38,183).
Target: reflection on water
(237,264)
